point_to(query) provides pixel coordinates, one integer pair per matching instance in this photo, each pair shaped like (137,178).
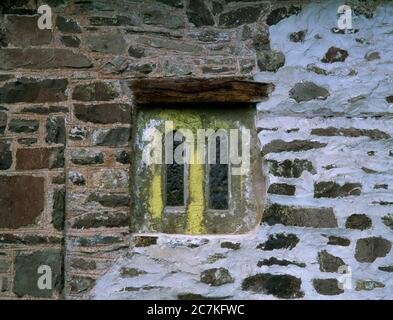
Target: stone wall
(66,116)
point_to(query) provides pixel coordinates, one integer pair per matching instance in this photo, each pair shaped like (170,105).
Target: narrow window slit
(174,179)
(218,182)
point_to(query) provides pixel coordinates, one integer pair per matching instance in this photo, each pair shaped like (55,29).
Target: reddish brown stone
(21,200)
(39,158)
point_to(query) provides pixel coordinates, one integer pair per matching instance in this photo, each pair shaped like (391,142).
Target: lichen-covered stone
(111,178)
(290,168)
(369,249)
(144,241)
(373,55)
(216,277)
(298,36)
(80,284)
(86,157)
(26,275)
(300,216)
(55,130)
(282,189)
(329,262)
(101,219)
(70,41)
(282,286)
(279,145)
(339,241)
(327,287)
(331,189)
(131,272)
(110,200)
(161,18)
(388,220)
(335,55)
(78,133)
(116,137)
(280,241)
(270,60)
(23,126)
(76,178)
(368,285)
(358,221)
(306,91)
(230,245)
(96,91)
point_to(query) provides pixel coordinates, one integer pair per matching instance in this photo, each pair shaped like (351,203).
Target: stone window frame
(220,92)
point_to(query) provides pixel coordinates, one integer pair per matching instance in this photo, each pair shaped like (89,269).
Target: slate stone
(282,189)
(276,262)
(42,58)
(279,145)
(111,137)
(26,276)
(80,284)
(339,241)
(22,31)
(123,157)
(306,91)
(300,216)
(291,168)
(96,91)
(198,14)
(83,264)
(104,113)
(27,141)
(23,126)
(5,155)
(335,54)
(161,18)
(144,241)
(67,25)
(29,239)
(230,245)
(58,210)
(216,277)
(39,158)
(239,16)
(329,262)
(112,43)
(55,130)
(101,219)
(86,157)
(369,249)
(32,90)
(282,286)
(172,3)
(136,52)
(368,285)
(22,200)
(42,110)
(70,41)
(331,189)
(373,134)
(358,221)
(298,36)
(327,287)
(110,200)
(115,21)
(279,241)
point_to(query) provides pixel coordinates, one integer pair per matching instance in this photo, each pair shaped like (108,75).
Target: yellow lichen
(156,205)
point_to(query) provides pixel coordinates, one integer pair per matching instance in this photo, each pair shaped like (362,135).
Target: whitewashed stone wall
(341,136)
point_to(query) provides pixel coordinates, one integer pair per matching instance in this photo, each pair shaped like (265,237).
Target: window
(188,164)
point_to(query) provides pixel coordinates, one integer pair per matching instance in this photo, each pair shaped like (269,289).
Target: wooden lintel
(183,91)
